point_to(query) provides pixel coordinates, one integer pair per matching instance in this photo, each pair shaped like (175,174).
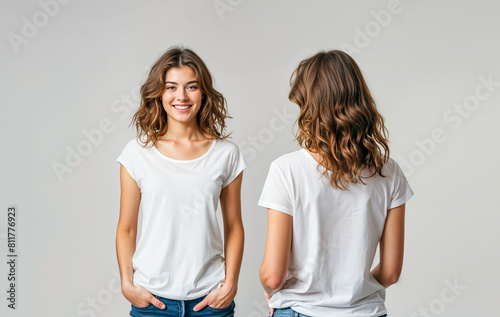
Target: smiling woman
(178,64)
(182,98)
(176,172)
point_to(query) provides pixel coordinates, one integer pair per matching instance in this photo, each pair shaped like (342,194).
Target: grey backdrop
(70,73)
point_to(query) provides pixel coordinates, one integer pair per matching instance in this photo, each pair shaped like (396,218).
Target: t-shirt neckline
(309,156)
(313,160)
(186,161)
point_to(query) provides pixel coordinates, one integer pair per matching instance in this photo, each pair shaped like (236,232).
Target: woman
(332,202)
(175,173)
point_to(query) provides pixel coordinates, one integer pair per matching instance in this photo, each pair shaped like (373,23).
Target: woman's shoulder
(135,144)
(290,160)
(393,171)
(391,166)
(227,145)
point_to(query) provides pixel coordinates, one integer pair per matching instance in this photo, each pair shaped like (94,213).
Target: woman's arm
(387,272)
(230,202)
(277,254)
(126,234)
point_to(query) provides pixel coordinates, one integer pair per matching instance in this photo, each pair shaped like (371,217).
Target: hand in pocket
(219,298)
(141,297)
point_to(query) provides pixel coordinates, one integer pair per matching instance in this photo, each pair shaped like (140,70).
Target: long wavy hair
(338,118)
(151,119)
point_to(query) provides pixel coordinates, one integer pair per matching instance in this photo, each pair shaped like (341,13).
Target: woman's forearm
(271,282)
(234,234)
(388,270)
(234,240)
(386,279)
(274,268)
(271,287)
(126,231)
(125,248)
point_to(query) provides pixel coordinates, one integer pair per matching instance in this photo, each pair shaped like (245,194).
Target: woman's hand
(268,298)
(218,298)
(140,297)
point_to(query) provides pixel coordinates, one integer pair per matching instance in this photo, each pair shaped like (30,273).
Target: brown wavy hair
(338,118)
(151,119)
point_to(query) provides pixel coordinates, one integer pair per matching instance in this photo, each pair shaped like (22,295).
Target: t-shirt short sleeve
(126,159)
(236,165)
(276,193)
(401,190)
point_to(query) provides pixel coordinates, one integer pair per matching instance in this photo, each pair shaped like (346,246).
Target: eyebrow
(189,82)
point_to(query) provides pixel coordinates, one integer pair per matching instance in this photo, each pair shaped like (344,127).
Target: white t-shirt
(179,251)
(335,235)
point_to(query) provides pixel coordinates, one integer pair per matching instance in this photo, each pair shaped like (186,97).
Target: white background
(67,68)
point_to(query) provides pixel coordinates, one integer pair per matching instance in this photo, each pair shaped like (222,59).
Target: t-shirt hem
(238,172)
(276,207)
(122,162)
(158,292)
(314,313)
(174,297)
(400,201)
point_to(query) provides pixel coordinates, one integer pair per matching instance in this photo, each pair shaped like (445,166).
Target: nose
(181,96)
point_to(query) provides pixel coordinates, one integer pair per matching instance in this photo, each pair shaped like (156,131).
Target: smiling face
(182,96)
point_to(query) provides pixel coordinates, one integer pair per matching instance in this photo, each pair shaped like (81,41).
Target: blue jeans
(288,312)
(181,308)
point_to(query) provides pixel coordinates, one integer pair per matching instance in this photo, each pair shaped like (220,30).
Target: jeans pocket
(145,307)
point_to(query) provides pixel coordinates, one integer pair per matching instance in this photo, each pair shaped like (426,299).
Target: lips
(182,106)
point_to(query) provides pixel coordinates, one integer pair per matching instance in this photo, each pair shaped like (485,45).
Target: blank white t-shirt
(335,235)
(179,254)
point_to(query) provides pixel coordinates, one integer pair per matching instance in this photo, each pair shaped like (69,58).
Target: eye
(194,87)
(170,88)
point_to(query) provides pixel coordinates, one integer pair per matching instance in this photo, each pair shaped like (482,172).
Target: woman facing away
(333,201)
(175,173)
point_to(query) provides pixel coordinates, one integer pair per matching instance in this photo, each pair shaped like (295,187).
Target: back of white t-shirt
(179,254)
(335,235)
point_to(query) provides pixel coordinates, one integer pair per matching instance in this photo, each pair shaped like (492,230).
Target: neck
(183,132)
